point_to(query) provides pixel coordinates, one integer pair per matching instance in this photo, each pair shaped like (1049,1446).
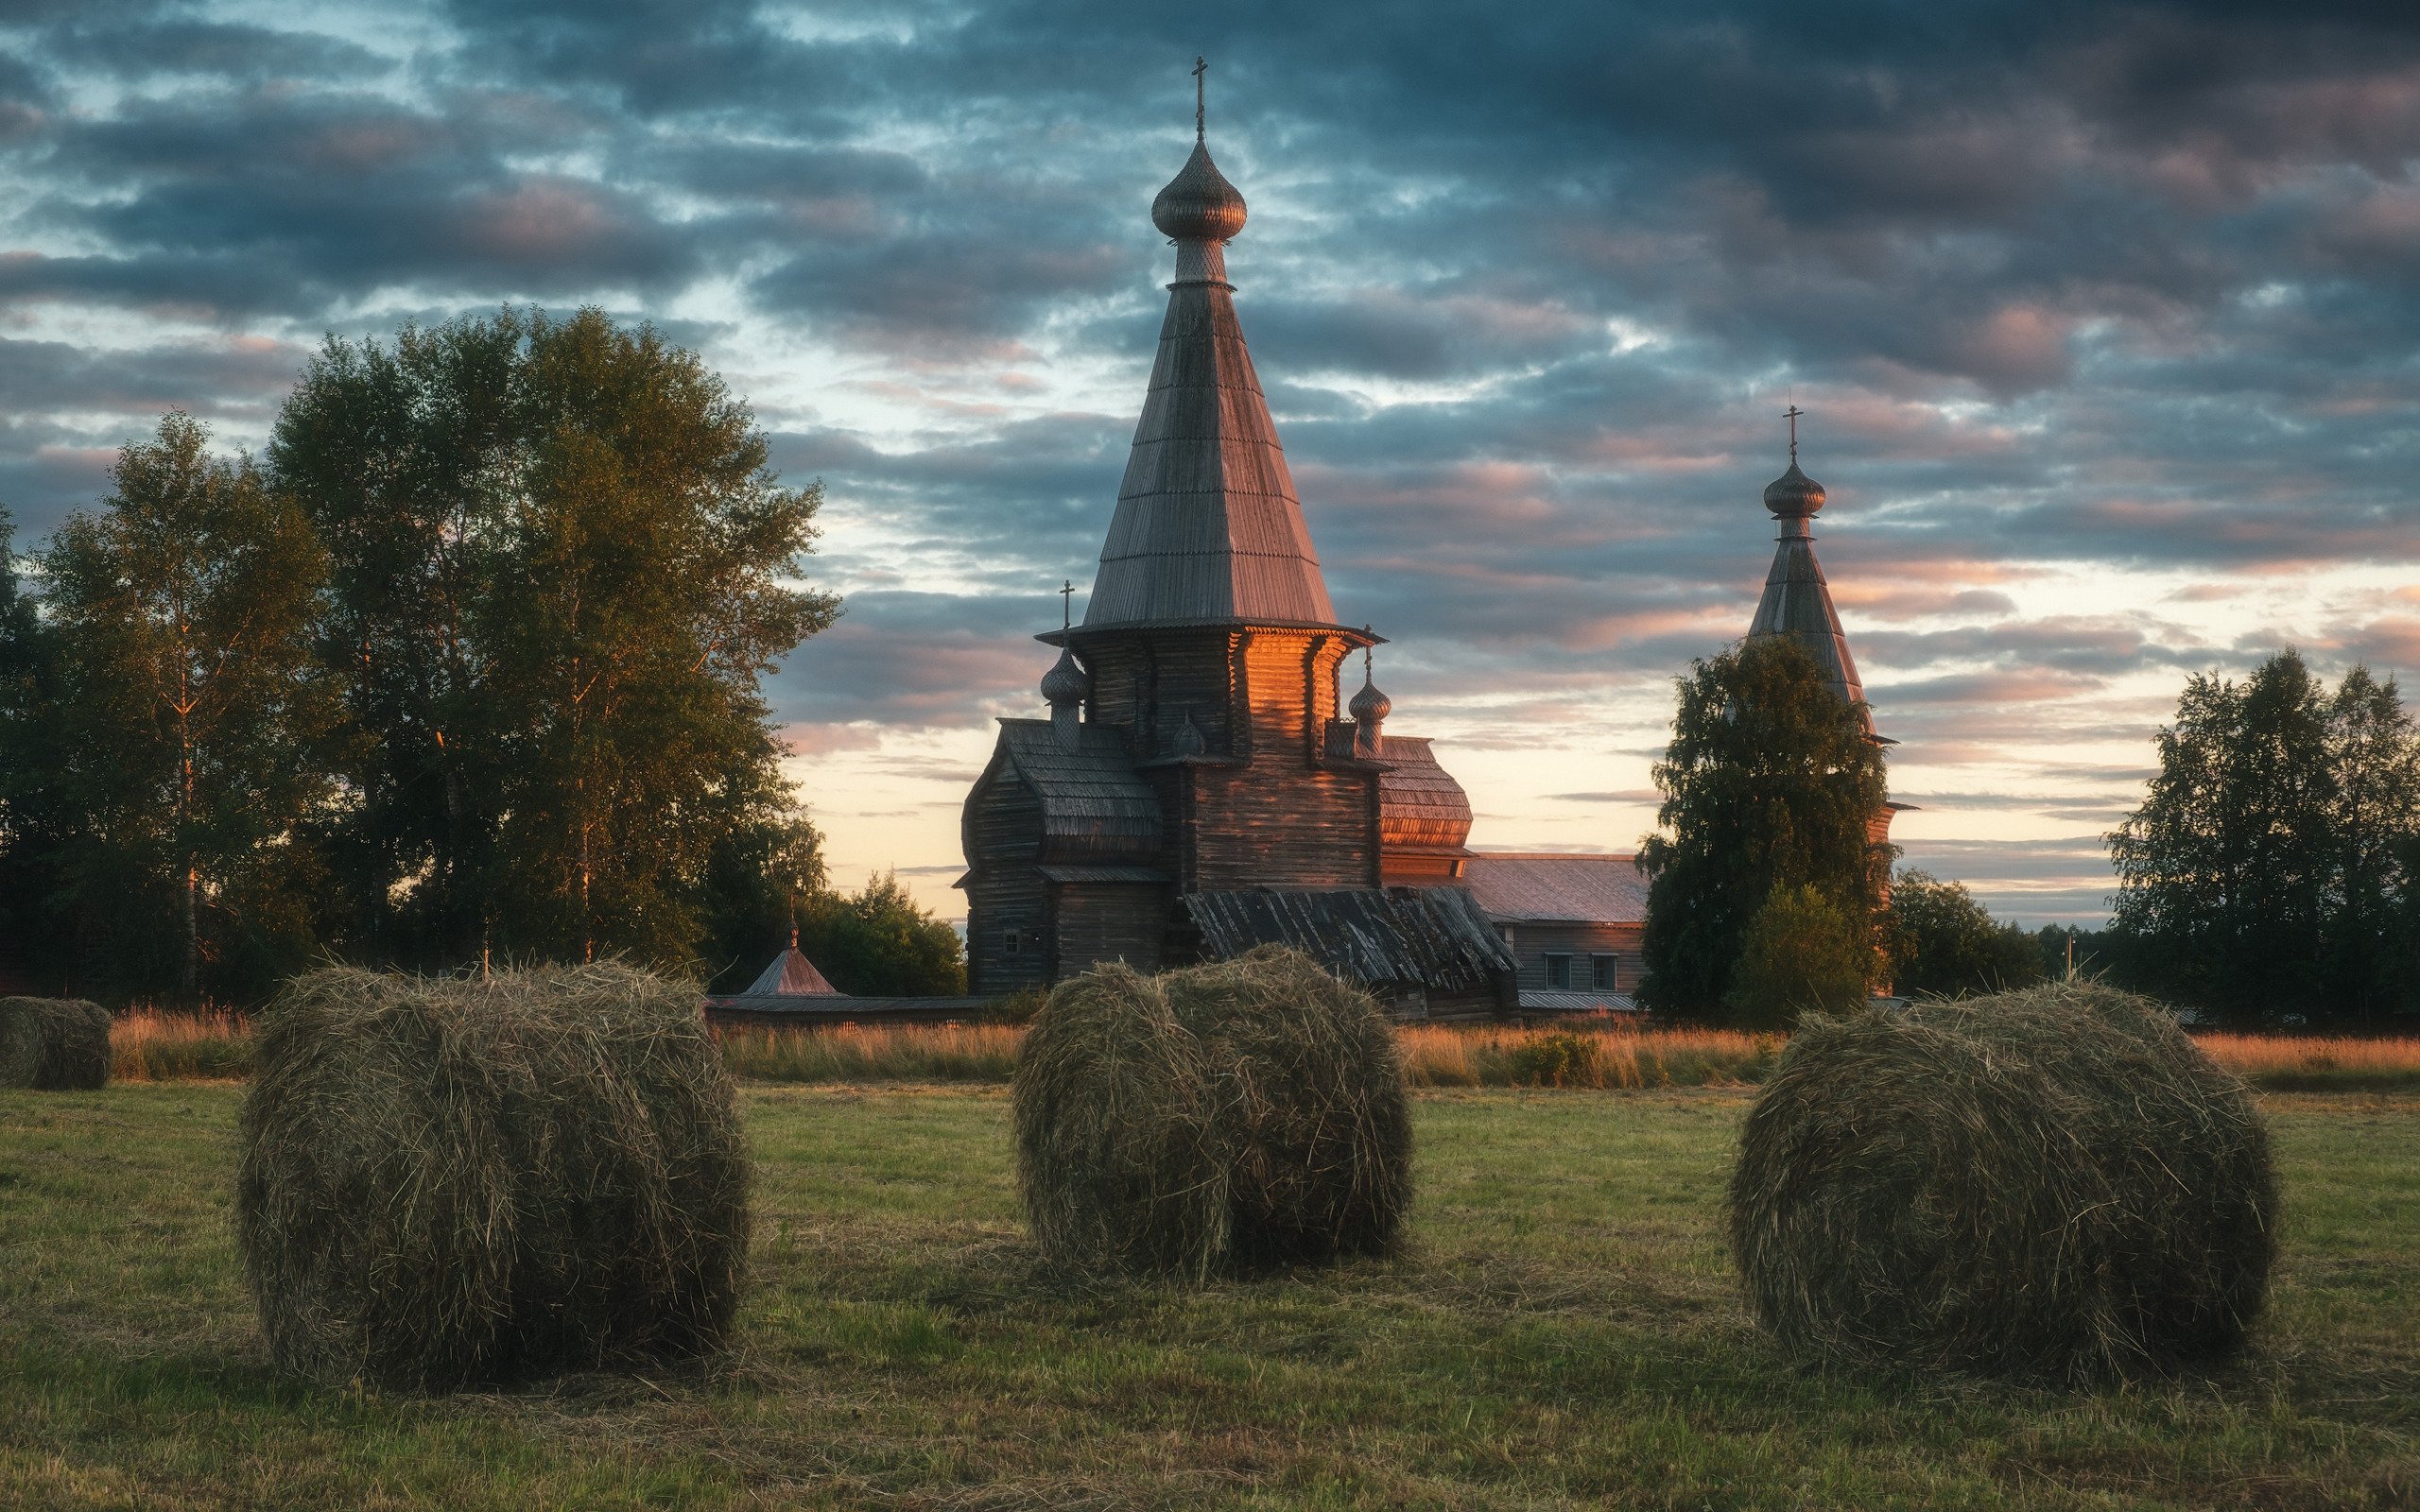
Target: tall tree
(640,597)
(1943,944)
(561,570)
(2262,873)
(37,826)
(1769,782)
(2369,956)
(405,462)
(189,704)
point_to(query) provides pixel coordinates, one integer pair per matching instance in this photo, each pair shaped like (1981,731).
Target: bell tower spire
(1208,529)
(1797,601)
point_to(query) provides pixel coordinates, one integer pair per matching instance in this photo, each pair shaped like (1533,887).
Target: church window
(1012,942)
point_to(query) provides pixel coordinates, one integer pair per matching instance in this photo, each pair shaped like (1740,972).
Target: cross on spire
(1791,414)
(1199,68)
(1066,604)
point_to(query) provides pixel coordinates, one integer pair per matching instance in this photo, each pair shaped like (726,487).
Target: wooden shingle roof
(1436,937)
(1420,805)
(1090,794)
(1208,528)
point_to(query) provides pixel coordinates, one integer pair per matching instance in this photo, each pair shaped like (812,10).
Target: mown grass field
(1564,1331)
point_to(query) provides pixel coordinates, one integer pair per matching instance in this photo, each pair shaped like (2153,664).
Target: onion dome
(1066,681)
(1369,706)
(1199,204)
(1793,496)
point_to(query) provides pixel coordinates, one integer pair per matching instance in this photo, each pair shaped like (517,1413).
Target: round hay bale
(54,1044)
(447,1183)
(2054,1185)
(1242,1114)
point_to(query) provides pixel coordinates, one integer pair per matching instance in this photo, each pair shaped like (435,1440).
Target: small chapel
(1202,786)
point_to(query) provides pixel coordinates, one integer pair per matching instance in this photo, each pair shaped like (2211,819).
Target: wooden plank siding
(1093,922)
(1531,943)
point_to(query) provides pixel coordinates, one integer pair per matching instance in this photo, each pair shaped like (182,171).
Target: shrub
(2053,1185)
(1559,1058)
(1246,1113)
(453,1182)
(1802,955)
(54,1044)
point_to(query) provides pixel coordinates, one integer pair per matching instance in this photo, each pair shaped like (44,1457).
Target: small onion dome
(1369,706)
(1793,496)
(1066,681)
(1189,739)
(1199,204)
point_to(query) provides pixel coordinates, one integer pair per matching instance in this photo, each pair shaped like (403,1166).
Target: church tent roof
(791,976)
(1208,529)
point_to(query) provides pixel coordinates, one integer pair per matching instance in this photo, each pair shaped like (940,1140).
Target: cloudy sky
(2104,319)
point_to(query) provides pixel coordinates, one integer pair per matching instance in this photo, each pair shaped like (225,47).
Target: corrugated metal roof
(791,976)
(1436,937)
(1091,793)
(1419,802)
(1207,527)
(1555,1000)
(1558,888)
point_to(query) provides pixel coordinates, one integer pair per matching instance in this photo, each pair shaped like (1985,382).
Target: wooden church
(1200,787)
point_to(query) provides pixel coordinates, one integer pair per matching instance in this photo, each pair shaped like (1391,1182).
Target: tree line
(466,665)
(2271,873)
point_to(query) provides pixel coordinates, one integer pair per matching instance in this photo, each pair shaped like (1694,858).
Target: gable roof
(1540,889)
(1090,794)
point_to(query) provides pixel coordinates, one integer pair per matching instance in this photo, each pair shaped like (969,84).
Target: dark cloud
(2071,289)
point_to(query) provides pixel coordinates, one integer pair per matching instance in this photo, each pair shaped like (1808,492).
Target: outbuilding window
(1559,970)
(1012,942)
(1600,972)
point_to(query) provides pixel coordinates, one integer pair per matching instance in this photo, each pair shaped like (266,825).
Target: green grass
(1564,1332)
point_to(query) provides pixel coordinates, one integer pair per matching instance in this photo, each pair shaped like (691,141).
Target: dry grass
(2294,1064)
(2052,1185)
(151,1045)
(862,1053)
(54,1043)
(1438,1056)
(446,1182)
(1238,1115)
(148,1045)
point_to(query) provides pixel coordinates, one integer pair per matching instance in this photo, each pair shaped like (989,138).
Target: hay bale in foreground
(447,1183)
(54,1044)
(1245,1113)
(2052,1185)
